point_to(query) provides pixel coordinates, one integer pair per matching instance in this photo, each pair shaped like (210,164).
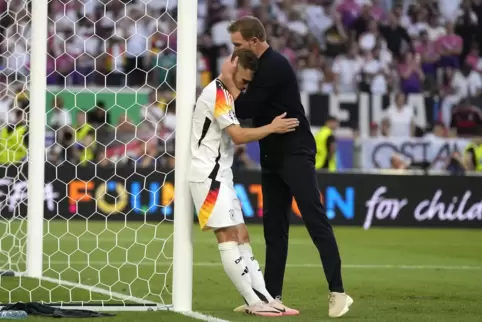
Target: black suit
(288,170)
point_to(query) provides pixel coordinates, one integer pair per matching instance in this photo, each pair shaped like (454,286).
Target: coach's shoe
(285,311)
(339,304)
(262,309)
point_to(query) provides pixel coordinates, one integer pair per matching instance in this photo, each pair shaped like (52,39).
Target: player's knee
(227,234)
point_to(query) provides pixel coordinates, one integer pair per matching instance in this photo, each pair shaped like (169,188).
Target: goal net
(109,154)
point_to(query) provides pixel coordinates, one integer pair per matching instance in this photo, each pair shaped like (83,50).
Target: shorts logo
(231,214)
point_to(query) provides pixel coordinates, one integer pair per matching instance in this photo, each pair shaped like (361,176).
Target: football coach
(287,162)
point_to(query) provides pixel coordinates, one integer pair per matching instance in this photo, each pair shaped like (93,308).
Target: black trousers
(296,177)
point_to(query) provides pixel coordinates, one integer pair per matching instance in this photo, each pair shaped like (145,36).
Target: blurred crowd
(336,46)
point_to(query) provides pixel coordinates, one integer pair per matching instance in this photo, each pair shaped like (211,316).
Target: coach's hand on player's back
(281,124)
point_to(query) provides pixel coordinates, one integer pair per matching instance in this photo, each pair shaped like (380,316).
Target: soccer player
(287,162)
(215,128)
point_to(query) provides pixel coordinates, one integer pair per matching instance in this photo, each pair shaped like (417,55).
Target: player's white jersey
(212,149)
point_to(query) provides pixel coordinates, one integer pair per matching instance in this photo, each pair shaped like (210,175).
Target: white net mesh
(109,152)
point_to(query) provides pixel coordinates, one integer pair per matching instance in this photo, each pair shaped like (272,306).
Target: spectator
(349,10)
(434,29)
(113,60)
(361,24)
(137,32)
(347,71)
(218,31)
(165,68)
(15,48)
(455,164)
(400,117)
(377,12)
(411,74)
(310,75)
(449,9)
(466,26)
(466,119)
(59,117)
(85,140)
(373,130)
(418,21)
(474,59)
(395,36)
(373,73)
(296,23)
(125,130)
(211,53)
(329,79)
(169,121)
(397,162)
(336,38)
(98,116)
(427,51)
(6,105)
(472,156)
(450,47)
(89,48)
(368,39)
(153,113)
(467,82)
(438,131)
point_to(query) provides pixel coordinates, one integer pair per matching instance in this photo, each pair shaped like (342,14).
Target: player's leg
(304,186)
(277,201)
(214,203)
(234,263)
(257,280)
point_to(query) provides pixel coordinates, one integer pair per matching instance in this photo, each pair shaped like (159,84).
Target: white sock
(257,279)
(237,271)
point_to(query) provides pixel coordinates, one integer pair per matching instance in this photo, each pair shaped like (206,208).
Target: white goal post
(92,254)
(186,90)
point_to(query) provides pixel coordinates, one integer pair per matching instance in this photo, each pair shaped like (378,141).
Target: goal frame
(183,219)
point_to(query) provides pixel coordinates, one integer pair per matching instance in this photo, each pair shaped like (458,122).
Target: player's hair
(246,58)
(249,27)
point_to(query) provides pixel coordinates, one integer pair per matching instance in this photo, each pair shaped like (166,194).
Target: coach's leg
(276,221)
(304,187)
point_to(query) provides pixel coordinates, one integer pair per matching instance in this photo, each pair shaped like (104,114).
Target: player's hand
(229,67)
(281,124)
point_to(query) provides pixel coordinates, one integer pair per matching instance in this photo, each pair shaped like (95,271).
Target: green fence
(118,101)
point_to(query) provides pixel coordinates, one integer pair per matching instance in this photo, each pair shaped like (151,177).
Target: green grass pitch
(392,274)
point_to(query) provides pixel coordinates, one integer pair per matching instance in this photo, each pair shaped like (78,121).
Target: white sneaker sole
(346,308)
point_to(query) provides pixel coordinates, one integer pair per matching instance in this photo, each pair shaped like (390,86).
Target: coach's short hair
(249,27)
(246,58)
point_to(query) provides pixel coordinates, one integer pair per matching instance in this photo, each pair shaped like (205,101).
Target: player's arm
(279,125)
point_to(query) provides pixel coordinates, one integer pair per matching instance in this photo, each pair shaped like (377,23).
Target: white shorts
(216,204)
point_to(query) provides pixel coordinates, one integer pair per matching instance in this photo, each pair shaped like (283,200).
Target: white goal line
(213,264)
